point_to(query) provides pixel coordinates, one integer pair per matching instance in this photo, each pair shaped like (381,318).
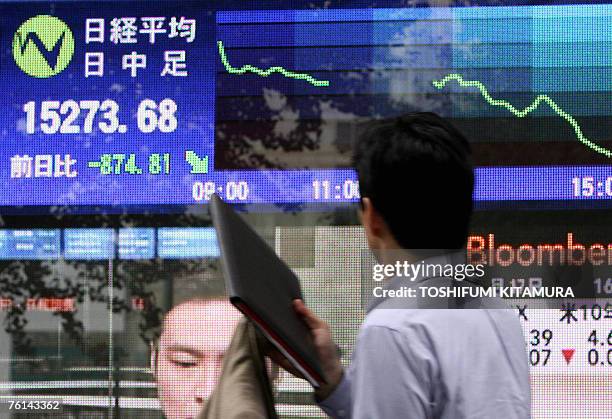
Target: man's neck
(391,256)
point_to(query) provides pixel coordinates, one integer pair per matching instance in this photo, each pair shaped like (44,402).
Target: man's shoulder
(405,320)
(436,320)
(431,324)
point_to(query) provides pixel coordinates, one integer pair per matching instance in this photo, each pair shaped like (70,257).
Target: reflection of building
(55,363)
(327,260)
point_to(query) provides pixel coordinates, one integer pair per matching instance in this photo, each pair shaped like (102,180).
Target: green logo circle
(43,46)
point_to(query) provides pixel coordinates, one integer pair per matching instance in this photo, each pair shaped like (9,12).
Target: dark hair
(417,171)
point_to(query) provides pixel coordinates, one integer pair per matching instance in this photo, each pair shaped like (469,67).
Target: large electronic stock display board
(163,103)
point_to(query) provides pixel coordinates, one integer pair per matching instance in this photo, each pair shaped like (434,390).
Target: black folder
(263,288)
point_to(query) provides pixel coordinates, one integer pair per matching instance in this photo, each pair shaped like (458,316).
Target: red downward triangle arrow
(568,354)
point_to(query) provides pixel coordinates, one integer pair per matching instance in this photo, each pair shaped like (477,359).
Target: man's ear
(371,219)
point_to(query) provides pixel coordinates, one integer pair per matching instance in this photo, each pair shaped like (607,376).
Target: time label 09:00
(72,117)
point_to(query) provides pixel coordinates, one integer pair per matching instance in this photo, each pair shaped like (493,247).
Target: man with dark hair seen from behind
(416,181)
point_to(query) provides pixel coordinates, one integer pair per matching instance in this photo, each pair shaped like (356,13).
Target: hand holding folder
(263,287)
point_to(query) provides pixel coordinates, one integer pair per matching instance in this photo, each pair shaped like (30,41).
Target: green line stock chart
(502,75)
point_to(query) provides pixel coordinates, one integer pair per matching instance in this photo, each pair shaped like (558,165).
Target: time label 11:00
(85,116)
(326,190)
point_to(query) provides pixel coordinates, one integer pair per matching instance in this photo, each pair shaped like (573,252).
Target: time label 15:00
(589,186)
(76,117)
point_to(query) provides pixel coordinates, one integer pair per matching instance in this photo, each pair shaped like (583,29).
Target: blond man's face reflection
(189,355)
